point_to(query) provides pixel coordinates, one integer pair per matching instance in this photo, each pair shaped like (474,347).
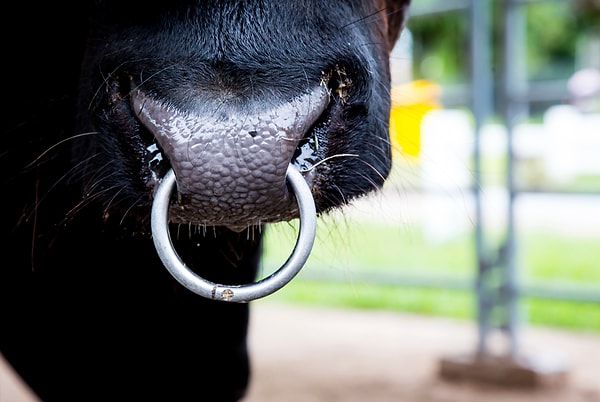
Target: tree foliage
(553,28)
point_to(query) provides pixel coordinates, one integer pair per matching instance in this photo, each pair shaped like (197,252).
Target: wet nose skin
(230,162)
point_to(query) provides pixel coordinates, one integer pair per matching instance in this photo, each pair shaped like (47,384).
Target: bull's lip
(231,170)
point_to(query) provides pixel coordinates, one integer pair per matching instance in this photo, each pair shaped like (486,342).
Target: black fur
(87,311)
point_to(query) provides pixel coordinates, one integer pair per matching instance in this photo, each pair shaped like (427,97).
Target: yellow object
(410,103)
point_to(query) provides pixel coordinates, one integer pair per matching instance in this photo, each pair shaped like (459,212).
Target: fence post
(496,283)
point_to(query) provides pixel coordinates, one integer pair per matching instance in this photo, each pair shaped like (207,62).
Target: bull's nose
(230,161)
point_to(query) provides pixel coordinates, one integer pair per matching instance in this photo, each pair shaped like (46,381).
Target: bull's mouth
(230,159)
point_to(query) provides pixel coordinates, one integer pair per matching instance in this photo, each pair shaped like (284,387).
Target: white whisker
(327,159)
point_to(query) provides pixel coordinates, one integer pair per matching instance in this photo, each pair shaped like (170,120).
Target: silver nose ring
(235,293)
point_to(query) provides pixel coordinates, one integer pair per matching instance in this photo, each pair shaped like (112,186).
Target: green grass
(552,257)
(444,302)
(351,266)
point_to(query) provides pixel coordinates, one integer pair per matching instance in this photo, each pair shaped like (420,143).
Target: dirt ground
(304,354)
(310,354)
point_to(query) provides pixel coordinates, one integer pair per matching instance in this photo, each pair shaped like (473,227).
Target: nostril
(338,81)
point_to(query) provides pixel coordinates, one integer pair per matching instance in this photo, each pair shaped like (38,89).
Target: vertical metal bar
(514,88)
(481,105)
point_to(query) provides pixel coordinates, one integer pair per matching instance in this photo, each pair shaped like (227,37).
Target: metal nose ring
(235,293)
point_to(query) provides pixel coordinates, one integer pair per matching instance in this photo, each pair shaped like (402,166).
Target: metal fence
(496,282)
(507,93)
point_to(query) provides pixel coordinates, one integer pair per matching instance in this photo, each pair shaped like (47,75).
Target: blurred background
(413,247)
